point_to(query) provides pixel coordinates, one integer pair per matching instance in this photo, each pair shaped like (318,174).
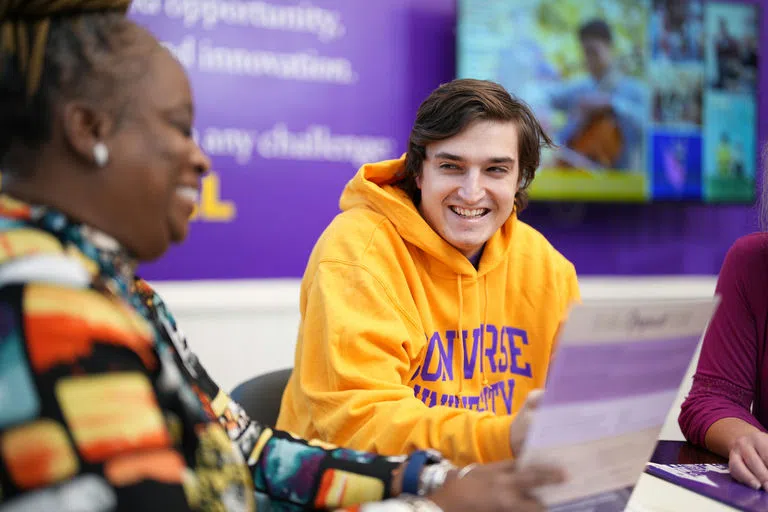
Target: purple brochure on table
(703,473)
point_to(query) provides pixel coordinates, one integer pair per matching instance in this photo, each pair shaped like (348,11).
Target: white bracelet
(403,503)
(465,471)
(417,504)
(433,477)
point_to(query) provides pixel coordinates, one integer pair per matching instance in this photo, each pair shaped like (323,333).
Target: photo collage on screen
(730,102)
(646,99)
(703,76)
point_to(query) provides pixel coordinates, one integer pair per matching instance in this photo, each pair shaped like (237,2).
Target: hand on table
(748,460)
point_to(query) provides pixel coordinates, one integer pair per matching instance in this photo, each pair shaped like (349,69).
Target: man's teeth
(189,193)
(466,212)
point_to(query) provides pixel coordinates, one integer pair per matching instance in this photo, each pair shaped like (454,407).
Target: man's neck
(475,258)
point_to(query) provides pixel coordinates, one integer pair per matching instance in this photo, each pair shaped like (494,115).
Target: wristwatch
(414,467)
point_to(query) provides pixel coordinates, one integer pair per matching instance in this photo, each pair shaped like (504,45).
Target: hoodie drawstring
(460,336)
(482,334)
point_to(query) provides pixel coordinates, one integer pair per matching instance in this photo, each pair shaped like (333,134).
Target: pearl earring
(101,154)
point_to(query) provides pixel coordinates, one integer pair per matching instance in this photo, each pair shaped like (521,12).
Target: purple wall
(362,85)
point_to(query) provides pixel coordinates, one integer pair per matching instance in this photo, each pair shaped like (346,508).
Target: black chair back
(260,396)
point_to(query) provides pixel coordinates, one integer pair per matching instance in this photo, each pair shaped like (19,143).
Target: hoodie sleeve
(353,364)
(572,293)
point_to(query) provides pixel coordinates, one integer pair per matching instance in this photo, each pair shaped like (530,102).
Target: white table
(653,494)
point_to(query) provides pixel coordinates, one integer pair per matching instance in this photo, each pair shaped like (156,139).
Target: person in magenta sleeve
(726,410)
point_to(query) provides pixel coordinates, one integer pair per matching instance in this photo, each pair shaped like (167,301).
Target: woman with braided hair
(102,406)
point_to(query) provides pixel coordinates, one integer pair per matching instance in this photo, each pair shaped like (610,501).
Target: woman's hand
(748,460)
(496,487)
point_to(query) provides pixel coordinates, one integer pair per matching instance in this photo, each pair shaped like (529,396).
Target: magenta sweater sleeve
(726,376)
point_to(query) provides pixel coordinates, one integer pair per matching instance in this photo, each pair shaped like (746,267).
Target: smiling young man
(429,311)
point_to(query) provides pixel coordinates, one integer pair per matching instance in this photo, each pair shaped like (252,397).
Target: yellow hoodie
(379,365)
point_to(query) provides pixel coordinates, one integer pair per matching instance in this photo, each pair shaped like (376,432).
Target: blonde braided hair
(24,26)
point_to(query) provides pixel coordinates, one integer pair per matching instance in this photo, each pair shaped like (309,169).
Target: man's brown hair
(452,107)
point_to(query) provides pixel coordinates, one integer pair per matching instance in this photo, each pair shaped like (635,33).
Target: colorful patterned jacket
(103,406)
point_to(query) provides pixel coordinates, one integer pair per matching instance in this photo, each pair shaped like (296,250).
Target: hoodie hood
(373,188)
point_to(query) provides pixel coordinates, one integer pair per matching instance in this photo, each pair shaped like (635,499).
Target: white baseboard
(265,295)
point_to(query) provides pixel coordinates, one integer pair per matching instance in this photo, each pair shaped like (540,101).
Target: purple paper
(704,473)
(713,481)
(619,369)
